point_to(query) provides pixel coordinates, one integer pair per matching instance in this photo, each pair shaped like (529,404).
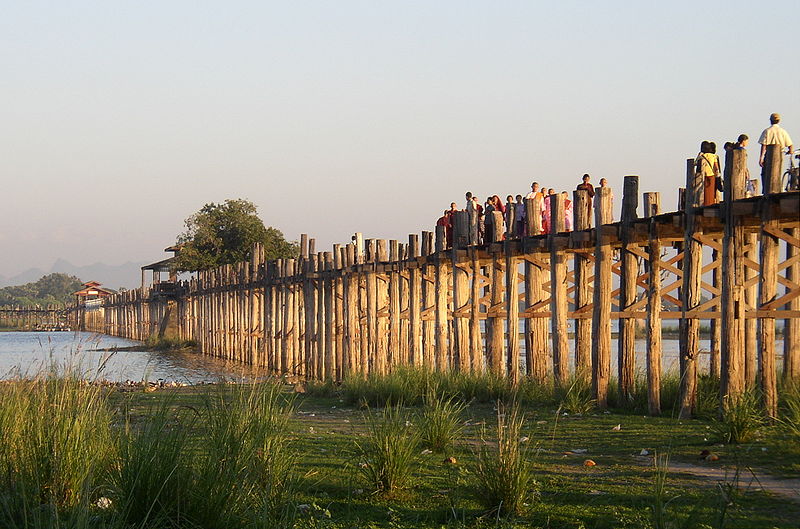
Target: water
(28,353)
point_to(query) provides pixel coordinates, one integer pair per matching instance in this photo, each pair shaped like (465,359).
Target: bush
(55,442)
(502,469)
(576,395)
(741,419)
(389,451)
(440,422)
(790,404)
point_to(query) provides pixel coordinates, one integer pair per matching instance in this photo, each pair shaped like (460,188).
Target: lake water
(28,353)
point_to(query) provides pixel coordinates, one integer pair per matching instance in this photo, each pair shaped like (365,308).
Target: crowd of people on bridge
(707,166)
(517,203)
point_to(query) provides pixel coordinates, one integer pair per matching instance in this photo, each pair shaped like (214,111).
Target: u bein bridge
(50,317)
(372,305)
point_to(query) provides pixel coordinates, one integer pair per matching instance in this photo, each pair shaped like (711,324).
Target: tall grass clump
(388,452)
(790,404)
(440,422)
(152,480)
(55,443)
(402,385)
(242,472)
(502,470)
(741,419)
(575,396)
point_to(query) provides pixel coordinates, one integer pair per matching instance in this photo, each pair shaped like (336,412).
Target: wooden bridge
(371,305)
(50,317)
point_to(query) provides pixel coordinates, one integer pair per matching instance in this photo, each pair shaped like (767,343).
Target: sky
(118,120)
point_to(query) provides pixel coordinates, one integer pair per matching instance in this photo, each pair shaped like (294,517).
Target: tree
(224,233)
(52,289)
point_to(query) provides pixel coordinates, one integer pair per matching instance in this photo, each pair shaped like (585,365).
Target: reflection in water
(29,353)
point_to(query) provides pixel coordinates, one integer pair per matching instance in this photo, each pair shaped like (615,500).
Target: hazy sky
(120,119)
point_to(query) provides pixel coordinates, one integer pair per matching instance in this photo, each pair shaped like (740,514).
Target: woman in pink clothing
(567,211)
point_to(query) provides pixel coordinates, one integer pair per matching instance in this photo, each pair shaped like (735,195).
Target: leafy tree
(224,233)
(52,289)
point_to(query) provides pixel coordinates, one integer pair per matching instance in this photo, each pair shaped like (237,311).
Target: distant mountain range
(127,275)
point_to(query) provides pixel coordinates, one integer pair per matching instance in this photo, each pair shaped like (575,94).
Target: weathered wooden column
(690,292)
(338,310)
(461,346)
(428,289)
(495,342)
(394,303)
(558,291)
(751,324)
(382,305)
(440,301)
(512,310)
(601,299)
(581,208)
(352,340)
(536,334)
(330,338)
(475,339)
(414,302)
(715,343)
(732,379)
(768,280)
(626,343)
(791,327)
(322,330)
(652,207)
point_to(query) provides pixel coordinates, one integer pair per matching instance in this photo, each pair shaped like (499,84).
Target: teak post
(652,208)
(581,209)
(601,299)
(558,292)
(690,292)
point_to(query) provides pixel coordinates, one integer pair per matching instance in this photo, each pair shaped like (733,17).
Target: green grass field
(323,483)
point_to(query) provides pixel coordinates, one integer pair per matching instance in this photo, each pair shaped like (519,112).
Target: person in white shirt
(774,135)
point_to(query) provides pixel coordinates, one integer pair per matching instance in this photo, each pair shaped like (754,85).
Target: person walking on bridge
(774,135)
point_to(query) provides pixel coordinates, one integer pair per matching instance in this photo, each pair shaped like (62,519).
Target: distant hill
(52,289)
(127,275)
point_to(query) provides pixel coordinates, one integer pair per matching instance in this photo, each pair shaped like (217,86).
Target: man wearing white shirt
(774,135)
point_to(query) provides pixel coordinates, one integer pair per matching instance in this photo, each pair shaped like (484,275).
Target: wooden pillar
(751,324)
(428,288)
(461,328)
(690,292)
(652,207)
(338,311)
(330,337)
(494,323)
(558,291)
(441,291)
(768,279)
(372,307)
(536,351)
(322,331)
(414,302)
(601,299)
(732,380)
(715,325)
(475,341)
(352,340)
(791,327)
(512,310)
(626,342)
(394,303)
(581,208)
(382,306)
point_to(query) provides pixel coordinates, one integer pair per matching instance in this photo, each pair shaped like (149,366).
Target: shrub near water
(503,476)
(55,442)
(388,453)
(440,422)
(741,419)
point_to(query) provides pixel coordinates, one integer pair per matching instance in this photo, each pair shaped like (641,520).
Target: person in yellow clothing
(707,165)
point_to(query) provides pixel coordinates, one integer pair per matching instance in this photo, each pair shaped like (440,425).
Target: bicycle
(790,181)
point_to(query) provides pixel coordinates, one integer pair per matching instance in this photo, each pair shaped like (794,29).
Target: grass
(257,456)
(503,479)
(741,419)
(387,455)
(441,422)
